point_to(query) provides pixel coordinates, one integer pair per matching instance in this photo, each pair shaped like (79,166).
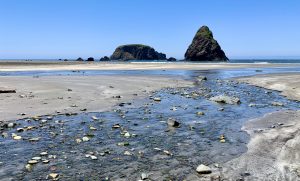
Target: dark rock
(173,123)
(172,59)
(66,60)
(79,59)
(7,91)
(204,47)
(105,58)
(90,59)
(136,52)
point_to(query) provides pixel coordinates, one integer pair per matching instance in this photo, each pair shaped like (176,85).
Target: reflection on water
(222,74)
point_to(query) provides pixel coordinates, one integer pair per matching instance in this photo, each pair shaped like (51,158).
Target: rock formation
(136,52)
(79,59)
(105,58)
(172,59)
(204,47)
(90,59)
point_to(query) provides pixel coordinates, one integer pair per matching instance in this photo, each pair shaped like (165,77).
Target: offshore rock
(204,47)
(136,52)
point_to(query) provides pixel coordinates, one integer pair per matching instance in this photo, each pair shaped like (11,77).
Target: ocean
(230,61)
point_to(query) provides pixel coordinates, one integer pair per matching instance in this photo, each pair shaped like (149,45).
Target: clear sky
(73,28)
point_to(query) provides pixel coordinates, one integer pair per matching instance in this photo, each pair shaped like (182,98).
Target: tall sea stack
(204,47)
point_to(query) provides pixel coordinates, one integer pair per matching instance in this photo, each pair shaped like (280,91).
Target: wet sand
(287,84)
(49,94)
(273,150)
(42,66)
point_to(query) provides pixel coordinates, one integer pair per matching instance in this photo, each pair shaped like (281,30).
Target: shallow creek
(134,139)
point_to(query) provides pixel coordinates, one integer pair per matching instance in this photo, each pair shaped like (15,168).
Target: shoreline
(47,66)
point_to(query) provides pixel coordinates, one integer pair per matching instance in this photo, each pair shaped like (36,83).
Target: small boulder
(225,99)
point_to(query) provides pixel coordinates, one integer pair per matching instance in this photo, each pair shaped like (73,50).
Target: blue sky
(73,28)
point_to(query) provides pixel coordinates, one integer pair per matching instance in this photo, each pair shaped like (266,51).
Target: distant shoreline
(85,66)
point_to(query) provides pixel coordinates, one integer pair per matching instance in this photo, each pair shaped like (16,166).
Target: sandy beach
(29,66)
(70,94)
(274,139)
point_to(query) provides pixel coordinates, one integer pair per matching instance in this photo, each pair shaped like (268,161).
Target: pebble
(34,139)
(17,137)
(95,118)
(201,78)
(157,99)
(277,104)
(173,123)
(43,121)
(36,158)
(93,128)
(44,153)
(123,144)
(20,129)
(46,161)
(203,169)
(53,176)
(225,99)
(144,176)
(78,140)
(167,152)
(200,113)
(28,167)
(33,161)
(4,135)
(127,153)
(21,96)
(85,139)
(127,135)
(116,126)
(11,125)
(93,157)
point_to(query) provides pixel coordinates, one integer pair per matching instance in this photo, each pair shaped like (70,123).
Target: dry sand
(46,95)
(25,66)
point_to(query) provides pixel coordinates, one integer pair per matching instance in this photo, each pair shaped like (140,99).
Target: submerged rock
(204,47)
(225,99)
(136,52)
